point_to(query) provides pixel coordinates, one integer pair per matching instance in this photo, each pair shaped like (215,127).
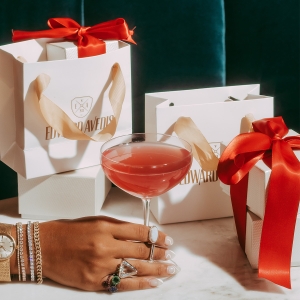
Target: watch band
(5,264)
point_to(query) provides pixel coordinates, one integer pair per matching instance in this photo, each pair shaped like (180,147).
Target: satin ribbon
(187,130)
(268,143)
(89,39)
(64,125)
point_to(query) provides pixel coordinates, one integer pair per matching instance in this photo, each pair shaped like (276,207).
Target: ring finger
(141,251)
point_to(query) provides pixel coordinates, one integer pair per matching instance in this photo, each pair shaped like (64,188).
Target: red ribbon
(268,143)
(89,39)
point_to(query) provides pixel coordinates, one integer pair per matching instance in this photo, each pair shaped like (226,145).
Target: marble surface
(212,262)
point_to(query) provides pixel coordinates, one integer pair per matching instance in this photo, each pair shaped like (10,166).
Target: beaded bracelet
(38,252)
(20,254)
(30,250)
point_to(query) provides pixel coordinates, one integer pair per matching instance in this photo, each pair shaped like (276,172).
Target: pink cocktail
(146,165)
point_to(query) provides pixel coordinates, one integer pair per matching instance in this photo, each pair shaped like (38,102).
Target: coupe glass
(146,165)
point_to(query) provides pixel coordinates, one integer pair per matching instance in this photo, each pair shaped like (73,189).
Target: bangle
(30,250)
(38,252)
(20,254)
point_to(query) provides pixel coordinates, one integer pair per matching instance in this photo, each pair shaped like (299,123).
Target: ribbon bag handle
(62,123)
(186,129)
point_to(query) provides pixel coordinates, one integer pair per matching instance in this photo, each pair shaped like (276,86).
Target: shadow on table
(217,242)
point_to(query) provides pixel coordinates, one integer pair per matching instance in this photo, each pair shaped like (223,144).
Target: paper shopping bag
(219,113)
(55,115)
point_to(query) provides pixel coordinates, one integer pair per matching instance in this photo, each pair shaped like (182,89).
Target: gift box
(262,168)
(258,185)
(258,181)
(199,195)
(69,50)
(253,235)
(68,195)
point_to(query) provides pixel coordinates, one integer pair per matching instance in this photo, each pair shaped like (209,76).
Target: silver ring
(126,269)
(151,253)
(153,234)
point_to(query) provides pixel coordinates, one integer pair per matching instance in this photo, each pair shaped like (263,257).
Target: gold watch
(7,248)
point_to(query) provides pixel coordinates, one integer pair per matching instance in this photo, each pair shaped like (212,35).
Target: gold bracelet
(38,252)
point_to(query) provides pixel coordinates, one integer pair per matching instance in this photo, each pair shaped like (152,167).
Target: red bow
(89,39)
(245,150)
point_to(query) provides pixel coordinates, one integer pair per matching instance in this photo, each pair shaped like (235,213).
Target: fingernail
(168,241)
(169,254)
(172,269)
(154,282)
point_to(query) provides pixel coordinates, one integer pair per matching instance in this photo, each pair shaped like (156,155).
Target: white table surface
(212,262)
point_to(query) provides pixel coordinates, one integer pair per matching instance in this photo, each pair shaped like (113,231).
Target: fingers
(138,283)
(157,269)
(138,232)
(140,251)
(148,275)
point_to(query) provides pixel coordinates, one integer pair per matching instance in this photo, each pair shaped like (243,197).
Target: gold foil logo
(198,176)
(216,149)
(81,106)
(96,124)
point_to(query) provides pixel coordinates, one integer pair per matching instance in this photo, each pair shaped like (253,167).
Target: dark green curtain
(180,44)
(262,46)
(29,15)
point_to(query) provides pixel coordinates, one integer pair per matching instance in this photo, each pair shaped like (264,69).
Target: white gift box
(199,196)
(253,235)
(78,87)
(258,181)
(69,50)
(68,195)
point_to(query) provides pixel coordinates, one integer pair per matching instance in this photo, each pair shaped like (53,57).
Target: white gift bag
(41,101)
(219,118)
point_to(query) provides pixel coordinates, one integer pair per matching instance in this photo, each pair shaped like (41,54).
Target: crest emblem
(216,149)
(81,106)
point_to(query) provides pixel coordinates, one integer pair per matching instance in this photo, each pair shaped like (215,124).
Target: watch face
(7,246)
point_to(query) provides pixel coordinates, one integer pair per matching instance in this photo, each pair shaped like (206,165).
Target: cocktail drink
(146,165)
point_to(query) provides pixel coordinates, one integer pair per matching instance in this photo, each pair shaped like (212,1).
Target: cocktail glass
(146,165)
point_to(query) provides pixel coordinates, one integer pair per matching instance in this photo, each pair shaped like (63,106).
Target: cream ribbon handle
(63,124)
(186,129)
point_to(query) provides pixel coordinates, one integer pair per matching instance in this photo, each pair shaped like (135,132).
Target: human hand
(81,253)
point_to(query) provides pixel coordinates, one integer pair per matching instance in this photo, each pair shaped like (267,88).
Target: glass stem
(146,205)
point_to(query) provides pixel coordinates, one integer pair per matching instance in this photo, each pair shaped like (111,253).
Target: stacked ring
(111,283)
(152,237)
(125,269)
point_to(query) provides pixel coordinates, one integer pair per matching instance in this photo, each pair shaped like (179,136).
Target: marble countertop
(213,266)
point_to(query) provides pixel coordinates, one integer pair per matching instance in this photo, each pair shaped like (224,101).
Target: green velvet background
(262,46)
(180,44)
